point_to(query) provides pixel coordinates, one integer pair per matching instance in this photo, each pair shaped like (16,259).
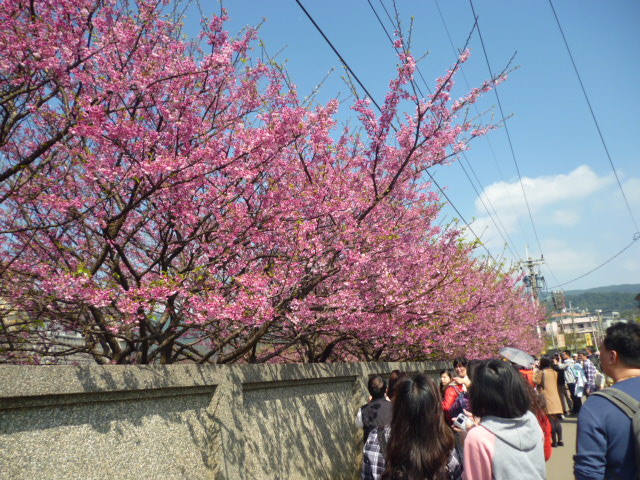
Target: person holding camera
(564,375)
(571,380)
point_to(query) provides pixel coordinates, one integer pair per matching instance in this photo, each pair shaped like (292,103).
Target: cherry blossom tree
(167,200)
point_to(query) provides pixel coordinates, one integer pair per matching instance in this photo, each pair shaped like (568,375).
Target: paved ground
(560,465)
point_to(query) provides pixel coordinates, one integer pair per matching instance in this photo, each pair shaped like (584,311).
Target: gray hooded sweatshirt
(505,449)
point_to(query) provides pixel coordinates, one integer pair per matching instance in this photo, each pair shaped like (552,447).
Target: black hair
(460,361)
(590,349)
(377,387)
(537,402)
(583,352)
(498,389)
(624,338)
(420,442)
(568,352)
(545,362)
(393,379)
(471,365)
(451,374)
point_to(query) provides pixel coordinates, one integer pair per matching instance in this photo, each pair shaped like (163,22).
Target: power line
(393,45)
(380,22)
(397,27)
(506,129)
(379,109)
(493,154)
(636,237)
(513,154)
(593,116)
(460,215)
(509,243)
(344,62)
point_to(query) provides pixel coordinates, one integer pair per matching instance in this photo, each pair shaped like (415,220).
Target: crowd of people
(496,419)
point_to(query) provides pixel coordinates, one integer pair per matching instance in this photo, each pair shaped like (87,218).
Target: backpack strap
(631,407)
(382,440)
(625,402)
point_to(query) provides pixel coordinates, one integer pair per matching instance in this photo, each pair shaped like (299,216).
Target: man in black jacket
(376,413)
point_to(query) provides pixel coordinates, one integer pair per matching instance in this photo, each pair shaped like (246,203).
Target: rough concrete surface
(290,421)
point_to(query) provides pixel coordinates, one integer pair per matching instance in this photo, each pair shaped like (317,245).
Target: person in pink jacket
(507,442)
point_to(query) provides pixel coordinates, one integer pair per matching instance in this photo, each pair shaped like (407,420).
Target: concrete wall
(185,421)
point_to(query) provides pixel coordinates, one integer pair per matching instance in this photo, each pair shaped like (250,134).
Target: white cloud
(565,217)
(631,188)
(566,261)
(543,191)
(581,222)
(560,199)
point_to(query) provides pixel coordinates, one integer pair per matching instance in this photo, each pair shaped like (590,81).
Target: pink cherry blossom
(172,201)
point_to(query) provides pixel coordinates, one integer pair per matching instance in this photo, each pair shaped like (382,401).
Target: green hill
(617,298)
(624,288)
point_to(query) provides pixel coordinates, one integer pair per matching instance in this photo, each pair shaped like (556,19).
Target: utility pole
(599,329)
(534,280)
(557,296)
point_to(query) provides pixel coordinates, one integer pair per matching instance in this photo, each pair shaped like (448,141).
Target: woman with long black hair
(418,445)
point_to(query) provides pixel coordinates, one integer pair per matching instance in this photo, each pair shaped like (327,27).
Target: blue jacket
(605,438)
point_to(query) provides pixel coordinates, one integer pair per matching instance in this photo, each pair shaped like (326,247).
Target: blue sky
(579,213)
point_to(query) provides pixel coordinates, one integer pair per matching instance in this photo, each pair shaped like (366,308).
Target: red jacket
(450,397)
(545,424)
(528,375)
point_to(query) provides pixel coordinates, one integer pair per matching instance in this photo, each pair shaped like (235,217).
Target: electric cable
(380,22)
(636,237)
(506,129)
(344,62)
(460,215)
(493,154)
(379,109)
(513,154)
(508,243)
(593,116)
(397,27)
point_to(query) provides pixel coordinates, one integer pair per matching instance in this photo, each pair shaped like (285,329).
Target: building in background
(574,330)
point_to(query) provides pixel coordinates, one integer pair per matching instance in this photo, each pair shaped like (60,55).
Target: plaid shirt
(590,374)
(374,463)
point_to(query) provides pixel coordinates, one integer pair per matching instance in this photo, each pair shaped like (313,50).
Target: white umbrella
(517,356)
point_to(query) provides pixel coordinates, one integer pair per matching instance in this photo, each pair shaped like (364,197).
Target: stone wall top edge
(25,381)
(30,380)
